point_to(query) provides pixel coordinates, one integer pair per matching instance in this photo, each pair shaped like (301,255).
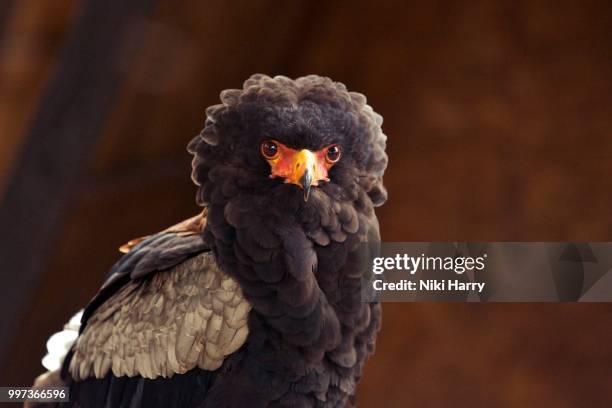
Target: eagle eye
(333,154)
(269,149)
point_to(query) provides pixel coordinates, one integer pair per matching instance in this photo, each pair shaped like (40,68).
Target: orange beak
(303,168)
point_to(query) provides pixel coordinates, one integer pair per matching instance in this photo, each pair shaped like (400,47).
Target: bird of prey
(256,302)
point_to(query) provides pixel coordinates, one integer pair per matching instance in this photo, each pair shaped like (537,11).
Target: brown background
(499,117)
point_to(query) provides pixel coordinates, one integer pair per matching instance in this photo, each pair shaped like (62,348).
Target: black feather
(297,262)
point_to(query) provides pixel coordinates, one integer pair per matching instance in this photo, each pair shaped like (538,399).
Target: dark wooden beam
(6,7)
(58,145)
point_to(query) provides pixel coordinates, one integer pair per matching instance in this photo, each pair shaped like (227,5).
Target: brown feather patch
(192,315)
(191,226)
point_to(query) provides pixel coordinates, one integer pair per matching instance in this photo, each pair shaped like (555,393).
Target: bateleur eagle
(257,301)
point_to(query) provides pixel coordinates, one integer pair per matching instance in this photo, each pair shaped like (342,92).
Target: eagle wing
(192,315)
(165,309)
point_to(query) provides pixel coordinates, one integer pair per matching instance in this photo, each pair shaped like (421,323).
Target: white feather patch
(59,343)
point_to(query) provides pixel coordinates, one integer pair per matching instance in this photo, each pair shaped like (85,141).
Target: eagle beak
(304,168)
(306,183)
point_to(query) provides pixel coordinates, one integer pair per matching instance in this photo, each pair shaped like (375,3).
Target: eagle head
(282,138)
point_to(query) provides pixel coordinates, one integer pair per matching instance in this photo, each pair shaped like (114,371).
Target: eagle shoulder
(193,315)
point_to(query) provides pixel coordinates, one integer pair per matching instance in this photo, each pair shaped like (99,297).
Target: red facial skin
(290,164)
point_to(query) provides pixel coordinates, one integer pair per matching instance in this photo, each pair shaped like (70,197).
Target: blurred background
(499,117)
